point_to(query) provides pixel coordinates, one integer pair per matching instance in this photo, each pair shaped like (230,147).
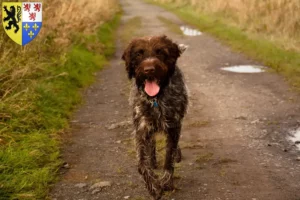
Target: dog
(159,99)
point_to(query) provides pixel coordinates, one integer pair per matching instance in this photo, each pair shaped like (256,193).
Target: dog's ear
(175,50)
(127,58)
(182,48)
(126,53)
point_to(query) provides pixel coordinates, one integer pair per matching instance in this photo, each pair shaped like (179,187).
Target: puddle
(295,137)
(244,69)
(189,31)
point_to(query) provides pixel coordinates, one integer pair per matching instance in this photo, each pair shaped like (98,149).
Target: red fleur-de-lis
(27,7)
(37,7)
(32,16)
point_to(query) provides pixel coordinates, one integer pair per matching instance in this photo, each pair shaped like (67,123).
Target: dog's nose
(149,69)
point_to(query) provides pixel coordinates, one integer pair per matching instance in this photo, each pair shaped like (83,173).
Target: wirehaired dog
(159,99)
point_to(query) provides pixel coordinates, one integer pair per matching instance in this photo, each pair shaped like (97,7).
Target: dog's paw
(168,186)
(156,192)
(157,196)
(167,182)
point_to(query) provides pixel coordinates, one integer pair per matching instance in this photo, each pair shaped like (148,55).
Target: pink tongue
(151,88)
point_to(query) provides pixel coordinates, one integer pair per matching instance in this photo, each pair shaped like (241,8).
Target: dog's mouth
(151,87)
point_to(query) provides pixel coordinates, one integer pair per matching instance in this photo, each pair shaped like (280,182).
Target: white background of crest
(25,14)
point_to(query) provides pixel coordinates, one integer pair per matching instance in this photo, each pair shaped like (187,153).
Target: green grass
(198,123)
(204,157)
(32,119)
(282,61)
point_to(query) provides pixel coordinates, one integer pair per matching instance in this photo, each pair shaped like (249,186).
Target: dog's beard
(153,83)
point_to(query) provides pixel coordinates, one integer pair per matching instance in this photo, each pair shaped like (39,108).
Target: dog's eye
(160,52)
(139,52)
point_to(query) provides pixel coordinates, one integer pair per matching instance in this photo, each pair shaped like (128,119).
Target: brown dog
(159,99)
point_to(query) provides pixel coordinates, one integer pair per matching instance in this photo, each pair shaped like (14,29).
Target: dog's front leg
(152,152)
(173,135)
(144,164)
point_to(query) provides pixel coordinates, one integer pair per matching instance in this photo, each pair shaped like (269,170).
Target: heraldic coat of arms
(22,21)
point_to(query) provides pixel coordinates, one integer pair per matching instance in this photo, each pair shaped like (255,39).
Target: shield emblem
(22,21)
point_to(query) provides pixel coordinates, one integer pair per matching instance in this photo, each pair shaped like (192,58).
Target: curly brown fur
(159,99)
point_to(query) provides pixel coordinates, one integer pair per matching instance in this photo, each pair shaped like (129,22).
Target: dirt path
(233,139)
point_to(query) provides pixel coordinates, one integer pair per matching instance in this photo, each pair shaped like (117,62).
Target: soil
(233,141)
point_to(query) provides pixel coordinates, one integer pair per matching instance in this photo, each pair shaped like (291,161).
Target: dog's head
(151,61)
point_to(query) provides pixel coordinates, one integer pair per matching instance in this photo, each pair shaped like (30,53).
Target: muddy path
(233,140)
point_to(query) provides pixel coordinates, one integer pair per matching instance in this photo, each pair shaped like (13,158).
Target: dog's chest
(156,113)
(161,112)
(152,110)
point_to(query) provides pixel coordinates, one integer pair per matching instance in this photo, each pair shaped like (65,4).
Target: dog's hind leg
(144,165)
(178,155)
(173,135)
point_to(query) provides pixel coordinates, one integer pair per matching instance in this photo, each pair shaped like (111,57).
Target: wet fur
(148,119)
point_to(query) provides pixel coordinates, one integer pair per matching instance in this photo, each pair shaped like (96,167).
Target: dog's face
(151,61)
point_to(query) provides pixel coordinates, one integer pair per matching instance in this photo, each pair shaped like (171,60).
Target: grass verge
(285,62)
(29,135)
